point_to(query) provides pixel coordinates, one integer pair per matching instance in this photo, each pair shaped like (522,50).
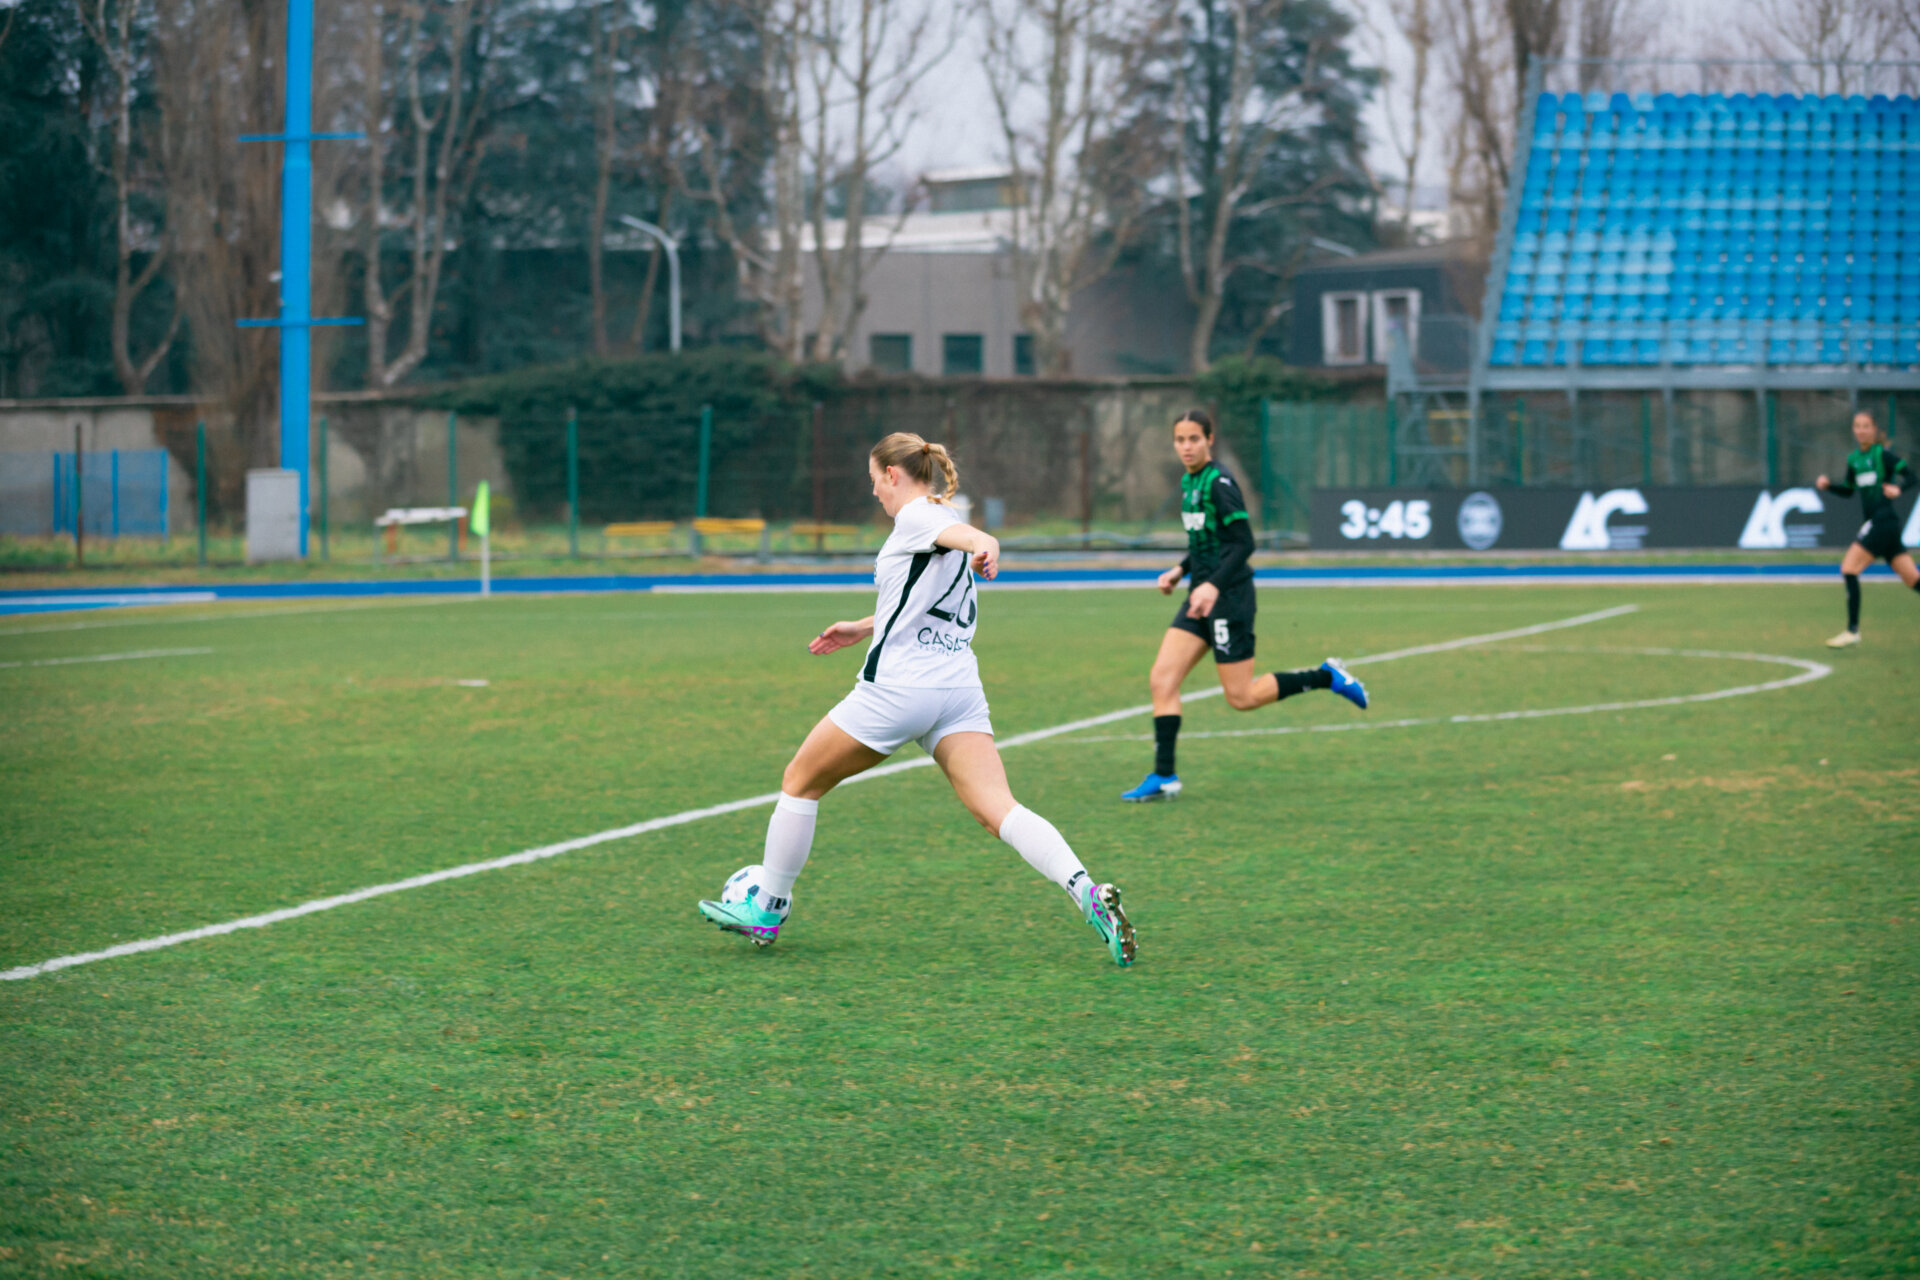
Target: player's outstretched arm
(840,635)
(983,547)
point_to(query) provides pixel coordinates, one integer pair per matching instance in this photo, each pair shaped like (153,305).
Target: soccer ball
(744,886)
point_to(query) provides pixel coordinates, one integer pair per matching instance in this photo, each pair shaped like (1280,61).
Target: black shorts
(1228,629)
(1881,535)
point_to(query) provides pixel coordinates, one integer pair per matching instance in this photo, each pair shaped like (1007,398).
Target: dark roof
(1418,256)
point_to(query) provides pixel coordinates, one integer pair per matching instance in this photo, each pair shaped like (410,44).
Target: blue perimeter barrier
(52,601)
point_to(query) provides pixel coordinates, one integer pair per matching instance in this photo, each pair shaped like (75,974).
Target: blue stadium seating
(1710,229)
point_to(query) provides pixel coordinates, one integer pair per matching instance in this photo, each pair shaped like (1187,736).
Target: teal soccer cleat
(1102,906)
(1344,684)
(744,918)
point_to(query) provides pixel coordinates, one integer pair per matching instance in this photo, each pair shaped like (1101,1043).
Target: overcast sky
(956,126)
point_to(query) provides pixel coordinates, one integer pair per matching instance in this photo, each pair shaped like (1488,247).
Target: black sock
(1916,584)
(1166,731)
(1292,682)
(1853,600)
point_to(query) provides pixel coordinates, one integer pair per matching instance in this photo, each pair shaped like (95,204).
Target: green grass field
(1629,993)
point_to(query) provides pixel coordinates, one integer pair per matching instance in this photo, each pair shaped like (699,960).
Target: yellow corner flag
(477,521)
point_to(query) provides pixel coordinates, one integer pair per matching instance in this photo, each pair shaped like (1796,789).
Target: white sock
(1045,849)
(789,841)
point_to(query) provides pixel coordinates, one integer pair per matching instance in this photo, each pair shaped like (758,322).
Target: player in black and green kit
(1219,609)
(1879,477)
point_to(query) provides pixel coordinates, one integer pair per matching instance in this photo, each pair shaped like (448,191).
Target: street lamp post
(672,247)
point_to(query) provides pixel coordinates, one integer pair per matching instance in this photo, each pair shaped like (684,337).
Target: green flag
(477,522)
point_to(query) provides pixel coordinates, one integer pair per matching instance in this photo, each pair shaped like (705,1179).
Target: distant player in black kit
(1878,476)
(1219,609)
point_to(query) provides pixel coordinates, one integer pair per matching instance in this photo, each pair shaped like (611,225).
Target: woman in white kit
(920,683)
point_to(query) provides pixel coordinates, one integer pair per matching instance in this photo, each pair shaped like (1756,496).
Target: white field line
(1704,578)
(399,602)
(1468,642)
(1809,671)
(100,602)
(109,657)
(691,815)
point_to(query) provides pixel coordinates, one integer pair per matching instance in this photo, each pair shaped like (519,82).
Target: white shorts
(886,717)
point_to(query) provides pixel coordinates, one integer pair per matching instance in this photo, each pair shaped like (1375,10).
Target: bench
(706,526)
(639,529)
(820,532)
(393,518)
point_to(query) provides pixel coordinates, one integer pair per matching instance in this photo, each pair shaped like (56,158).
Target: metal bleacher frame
(1423,399)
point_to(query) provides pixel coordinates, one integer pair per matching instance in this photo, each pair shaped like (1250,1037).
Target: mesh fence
(1048,466)
(115,493)
(1550,439)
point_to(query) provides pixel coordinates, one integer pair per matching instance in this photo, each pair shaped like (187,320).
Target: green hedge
(638,422)
(1236,385)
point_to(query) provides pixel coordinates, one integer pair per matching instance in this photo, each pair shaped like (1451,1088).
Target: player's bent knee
(802,784)
(1242,699)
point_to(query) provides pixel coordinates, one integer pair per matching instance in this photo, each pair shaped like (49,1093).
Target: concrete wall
(1018,440)
(47,427)
(379,454)
(383,455)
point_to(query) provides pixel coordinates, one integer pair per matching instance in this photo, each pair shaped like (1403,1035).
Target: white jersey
(924,620)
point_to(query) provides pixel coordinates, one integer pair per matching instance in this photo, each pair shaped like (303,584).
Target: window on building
(1023,355)
(962,353)
(1395,310)
(890,352)
(1343,328)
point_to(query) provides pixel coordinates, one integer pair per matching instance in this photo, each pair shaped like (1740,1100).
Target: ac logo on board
(1589,531)
(1767,527)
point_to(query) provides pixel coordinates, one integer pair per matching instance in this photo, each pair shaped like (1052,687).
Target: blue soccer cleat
(1344,684)
(1156,787)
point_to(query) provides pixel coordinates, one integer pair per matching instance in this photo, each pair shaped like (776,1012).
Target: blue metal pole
(296,206)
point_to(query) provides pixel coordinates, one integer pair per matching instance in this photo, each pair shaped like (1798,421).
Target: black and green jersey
(1869,471)
(1210,503)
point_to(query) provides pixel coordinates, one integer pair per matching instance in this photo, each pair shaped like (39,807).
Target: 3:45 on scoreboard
(1399,519)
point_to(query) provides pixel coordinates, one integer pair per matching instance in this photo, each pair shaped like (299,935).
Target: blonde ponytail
(921,460)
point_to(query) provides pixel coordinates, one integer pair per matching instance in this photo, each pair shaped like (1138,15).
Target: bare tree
(1248,113)
(1406,99)
(438,112)
(835,99)
(1491,48)
(219,74)
(1055,69)
(1832,37)
(724,119)
(604,34)
(117,31)
(1536,29)
(861,60)
(673,76)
